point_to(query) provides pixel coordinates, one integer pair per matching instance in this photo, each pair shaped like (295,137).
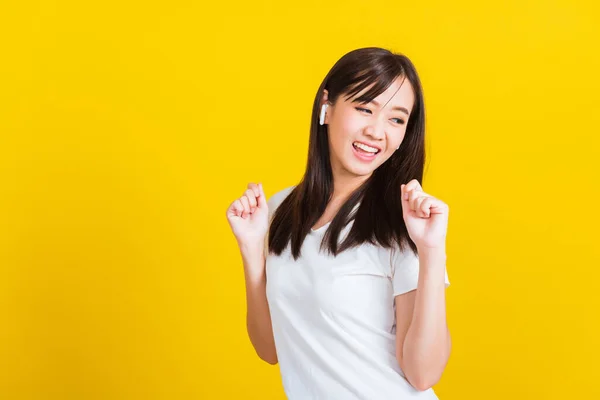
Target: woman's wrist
(253,257)
(432,253)
(252,248)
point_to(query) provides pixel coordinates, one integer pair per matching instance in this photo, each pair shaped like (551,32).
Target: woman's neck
(344,186)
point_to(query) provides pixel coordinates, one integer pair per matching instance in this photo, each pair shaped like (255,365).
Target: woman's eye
(399,120)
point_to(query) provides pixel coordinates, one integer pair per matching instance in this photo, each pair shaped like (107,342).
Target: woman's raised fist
(248,216)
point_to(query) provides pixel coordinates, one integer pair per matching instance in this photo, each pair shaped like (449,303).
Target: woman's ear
(325,97)
(324,116)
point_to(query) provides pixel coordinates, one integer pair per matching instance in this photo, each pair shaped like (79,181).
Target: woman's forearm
(258,317)
(426,348)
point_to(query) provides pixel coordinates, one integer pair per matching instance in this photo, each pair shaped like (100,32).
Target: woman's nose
(375,130)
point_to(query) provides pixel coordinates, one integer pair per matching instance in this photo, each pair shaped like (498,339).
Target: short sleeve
(271,206)
(266,246)
(405,271)
(272,203)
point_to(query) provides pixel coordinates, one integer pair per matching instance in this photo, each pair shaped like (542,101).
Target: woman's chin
(360,170)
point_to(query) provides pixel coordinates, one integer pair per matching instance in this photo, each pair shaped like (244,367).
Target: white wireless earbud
(322,117)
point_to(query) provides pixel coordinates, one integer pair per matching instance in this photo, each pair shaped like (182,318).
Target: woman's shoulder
(277,198)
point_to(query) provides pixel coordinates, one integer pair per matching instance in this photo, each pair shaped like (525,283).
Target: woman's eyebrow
(404,110)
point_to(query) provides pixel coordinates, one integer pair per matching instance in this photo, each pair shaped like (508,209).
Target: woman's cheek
(352,123)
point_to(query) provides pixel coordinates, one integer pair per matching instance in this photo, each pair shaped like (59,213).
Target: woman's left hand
(426,217)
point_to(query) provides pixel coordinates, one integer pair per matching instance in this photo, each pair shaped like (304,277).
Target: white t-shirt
(334,319)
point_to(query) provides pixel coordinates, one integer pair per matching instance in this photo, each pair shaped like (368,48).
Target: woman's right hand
(248,217)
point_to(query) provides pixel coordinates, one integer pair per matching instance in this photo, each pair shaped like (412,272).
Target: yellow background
(127,128)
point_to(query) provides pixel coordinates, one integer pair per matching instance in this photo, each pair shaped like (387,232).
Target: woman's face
(380,124)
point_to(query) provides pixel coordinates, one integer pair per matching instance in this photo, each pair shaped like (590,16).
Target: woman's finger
(412,196)
(425,206)
(254,187)
(419,204)
(262,199)
(238,208)
(246,204)
(251,198)
(413,185)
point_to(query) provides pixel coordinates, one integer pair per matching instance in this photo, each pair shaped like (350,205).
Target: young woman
(346,271)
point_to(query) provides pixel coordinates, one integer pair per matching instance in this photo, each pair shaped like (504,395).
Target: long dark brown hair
(378,219)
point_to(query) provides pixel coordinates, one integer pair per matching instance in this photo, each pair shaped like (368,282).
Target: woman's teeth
(365,148)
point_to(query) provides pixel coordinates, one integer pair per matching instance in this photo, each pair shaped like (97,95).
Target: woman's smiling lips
(368,144)
(364,156)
